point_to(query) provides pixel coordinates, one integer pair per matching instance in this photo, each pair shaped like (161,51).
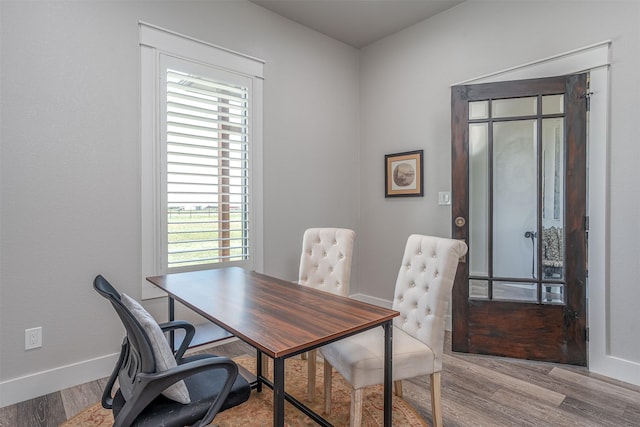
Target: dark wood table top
(278,317)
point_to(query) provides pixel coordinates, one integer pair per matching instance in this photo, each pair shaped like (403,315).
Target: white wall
(414,69)
(70,164)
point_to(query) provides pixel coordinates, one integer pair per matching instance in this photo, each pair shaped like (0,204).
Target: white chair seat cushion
(360,358)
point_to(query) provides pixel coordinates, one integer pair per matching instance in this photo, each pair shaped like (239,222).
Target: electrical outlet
(33,338)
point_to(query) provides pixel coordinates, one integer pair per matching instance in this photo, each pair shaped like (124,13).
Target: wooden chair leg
(436,404)
(328,371)
(311,375)
(398,387)
(355,419)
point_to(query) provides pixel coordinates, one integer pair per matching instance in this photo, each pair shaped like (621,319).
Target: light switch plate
(444,198)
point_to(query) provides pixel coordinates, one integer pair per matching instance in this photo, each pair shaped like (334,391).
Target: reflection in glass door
(520,140)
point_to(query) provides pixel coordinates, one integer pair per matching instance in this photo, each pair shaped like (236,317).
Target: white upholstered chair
(325,264)
(422,293)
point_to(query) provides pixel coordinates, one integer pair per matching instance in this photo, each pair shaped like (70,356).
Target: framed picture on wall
(403,174)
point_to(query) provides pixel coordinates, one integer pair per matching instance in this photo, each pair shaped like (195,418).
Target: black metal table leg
(259,370)
(172,315)
(388,371)
(278,392)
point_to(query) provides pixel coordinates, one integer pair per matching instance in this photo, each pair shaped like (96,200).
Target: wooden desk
(280,319)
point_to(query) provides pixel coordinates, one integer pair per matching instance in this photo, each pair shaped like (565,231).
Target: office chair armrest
(189,330)
(156,383)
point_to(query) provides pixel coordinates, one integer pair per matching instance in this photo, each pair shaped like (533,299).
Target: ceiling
(357,22)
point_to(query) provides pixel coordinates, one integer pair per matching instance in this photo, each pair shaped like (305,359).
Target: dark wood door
(519,201)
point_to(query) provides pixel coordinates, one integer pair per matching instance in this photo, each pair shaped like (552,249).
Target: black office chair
(212,382)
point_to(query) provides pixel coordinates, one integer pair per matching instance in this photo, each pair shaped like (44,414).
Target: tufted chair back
(423,288)
(325,263)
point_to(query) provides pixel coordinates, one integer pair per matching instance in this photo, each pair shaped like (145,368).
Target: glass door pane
(478,199)
(553,198)
(506,291)
(514,107)
(515,199)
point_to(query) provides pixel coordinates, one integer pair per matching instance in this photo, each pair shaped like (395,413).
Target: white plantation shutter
(207,165)
(201,156)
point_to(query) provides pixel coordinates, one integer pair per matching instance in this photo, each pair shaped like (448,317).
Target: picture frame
(404,174)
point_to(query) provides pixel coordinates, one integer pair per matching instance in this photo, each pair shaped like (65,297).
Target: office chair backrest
(325,262)
(423,288)
(139,355)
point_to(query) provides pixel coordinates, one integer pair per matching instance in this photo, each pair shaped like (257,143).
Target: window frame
(156,43)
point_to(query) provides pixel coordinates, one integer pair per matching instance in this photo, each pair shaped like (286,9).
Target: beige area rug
(258,410)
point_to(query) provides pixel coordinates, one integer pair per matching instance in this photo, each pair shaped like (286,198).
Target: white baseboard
(38,384)
(615,367)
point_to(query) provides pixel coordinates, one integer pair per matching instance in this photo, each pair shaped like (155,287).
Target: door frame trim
(575,61)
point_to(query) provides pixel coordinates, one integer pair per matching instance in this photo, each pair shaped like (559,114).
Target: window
(201,156)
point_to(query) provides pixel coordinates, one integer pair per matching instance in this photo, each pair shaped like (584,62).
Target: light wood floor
(476,391)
